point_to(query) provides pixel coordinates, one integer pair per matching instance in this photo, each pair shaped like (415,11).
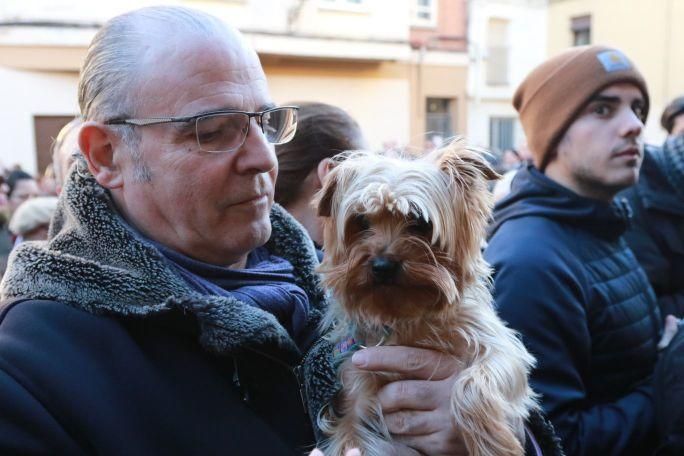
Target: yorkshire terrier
(403,261)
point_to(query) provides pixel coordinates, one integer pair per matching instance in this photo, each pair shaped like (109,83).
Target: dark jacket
(105,349)
(75,383)
(565,278)
(656,235)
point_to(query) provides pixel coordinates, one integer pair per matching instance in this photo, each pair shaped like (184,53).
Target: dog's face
(402,237)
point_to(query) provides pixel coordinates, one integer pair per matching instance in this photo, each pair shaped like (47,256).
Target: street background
(412,72)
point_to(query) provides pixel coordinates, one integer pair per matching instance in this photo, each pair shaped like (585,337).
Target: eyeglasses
(226,131)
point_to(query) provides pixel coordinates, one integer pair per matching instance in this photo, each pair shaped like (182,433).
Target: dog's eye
(361,222)
(356,225)
(420,227)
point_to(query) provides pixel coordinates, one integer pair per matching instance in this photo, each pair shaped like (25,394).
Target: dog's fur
(427,218)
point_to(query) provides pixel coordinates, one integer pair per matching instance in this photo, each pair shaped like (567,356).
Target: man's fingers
(415,363)
(671,324)
(411,422)
(433,444)
(408,394)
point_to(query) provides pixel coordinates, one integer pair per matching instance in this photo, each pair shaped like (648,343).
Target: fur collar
(95,262)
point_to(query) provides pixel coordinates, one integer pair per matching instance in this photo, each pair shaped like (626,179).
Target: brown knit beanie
(554,93)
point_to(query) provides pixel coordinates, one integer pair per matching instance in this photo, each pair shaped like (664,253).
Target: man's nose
(632,125)
(256,155)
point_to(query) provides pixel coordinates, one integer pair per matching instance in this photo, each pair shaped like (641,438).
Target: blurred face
(37,234)
(601,151)
(210,206)
(23,190)
(678,125)
(4,204)
(64,155)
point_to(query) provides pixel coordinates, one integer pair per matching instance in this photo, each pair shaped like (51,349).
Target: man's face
(677,125)
(601,152)
(24,189)
(210,206)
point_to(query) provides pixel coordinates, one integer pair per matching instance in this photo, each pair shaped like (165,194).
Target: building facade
(647,31)
(384,61)
(507,39)
(439,71)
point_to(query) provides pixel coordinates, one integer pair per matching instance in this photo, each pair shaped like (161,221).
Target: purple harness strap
(537,448)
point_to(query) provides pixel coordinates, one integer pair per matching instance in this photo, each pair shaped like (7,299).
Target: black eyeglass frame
(259,115)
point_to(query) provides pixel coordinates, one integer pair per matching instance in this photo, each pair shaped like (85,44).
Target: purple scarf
(267,282)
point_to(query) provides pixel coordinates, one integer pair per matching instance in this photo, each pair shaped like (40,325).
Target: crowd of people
(173,306)
(27,203)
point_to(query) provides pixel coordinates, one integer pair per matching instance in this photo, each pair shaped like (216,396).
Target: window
(501,133)
(439,121)
(497,52)
(581,30)
(424,13)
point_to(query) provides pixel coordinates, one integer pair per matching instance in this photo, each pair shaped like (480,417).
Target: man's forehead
(202,74)
(621,90)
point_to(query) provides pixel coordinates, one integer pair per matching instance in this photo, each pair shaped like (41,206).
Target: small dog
(403,261)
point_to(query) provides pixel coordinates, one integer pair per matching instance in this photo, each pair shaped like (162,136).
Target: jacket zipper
(296,371)
(299,376)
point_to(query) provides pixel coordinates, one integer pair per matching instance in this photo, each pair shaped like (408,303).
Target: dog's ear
(323,199)
(456,158)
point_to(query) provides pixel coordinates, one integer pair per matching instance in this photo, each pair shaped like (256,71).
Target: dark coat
(75,383)
(656,235)
(104,349)
(565,278)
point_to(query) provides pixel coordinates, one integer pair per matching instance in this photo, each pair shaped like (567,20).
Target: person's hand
(417,409)
(671,325)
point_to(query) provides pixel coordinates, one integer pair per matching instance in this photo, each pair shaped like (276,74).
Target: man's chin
(259,233)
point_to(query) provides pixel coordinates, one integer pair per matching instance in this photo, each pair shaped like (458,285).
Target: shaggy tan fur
(402,251)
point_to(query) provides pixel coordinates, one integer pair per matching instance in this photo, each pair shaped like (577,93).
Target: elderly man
(564,276)
(169,309)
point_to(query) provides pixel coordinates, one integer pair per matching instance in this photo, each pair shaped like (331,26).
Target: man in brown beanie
(564,276)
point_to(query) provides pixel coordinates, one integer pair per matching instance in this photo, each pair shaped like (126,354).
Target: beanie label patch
(613,60)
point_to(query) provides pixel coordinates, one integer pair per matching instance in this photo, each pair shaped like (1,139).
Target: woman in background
(323,131)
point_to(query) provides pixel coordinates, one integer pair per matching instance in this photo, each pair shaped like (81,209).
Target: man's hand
(417,409)
(671,324)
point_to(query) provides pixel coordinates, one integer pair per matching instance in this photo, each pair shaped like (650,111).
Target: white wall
(21,101)
(375,103)
(373,19)
(527,48)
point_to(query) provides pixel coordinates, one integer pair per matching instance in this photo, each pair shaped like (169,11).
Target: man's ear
(96,142)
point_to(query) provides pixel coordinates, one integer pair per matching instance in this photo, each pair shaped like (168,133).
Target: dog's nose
(384,269)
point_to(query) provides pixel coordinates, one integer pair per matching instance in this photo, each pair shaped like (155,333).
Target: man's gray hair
(113,65)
